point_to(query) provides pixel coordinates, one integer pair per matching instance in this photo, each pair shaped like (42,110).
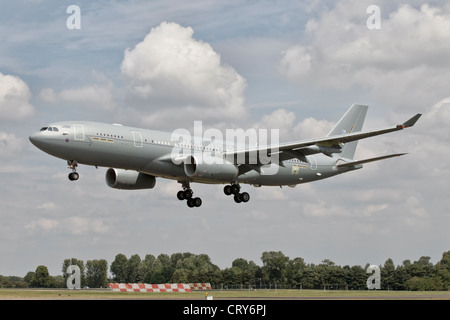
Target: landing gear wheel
(227,190)
(73,176)
(194,202)
(180,195)
(245,197)
(235,188)
(197,202)
(188,194)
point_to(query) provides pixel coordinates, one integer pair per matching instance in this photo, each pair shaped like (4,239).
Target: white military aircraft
(136,157)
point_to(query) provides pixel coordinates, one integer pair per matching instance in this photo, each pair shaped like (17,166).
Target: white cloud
(76,226)
(172,71)
(14,99)
(47,206)
(10,145)
(406,62)
(96,96)
(437,119)
(43,224)
(83,226)
(290,128)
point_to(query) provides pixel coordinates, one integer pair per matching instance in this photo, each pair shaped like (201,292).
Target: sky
(296,66)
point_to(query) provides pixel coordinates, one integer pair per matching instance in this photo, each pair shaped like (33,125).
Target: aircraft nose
(35,138)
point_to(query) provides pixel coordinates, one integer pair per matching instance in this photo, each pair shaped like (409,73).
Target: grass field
(45,294)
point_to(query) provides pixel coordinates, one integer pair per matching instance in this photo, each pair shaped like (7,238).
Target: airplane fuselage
(146,151)
(136,157)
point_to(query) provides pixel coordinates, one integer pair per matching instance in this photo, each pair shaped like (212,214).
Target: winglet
(411,121)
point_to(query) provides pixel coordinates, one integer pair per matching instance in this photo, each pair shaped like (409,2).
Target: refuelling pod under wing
(129,179)
(210,168)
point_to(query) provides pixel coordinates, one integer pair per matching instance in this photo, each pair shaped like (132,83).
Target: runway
(259,295)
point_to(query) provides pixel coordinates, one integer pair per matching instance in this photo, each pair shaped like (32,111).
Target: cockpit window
(55,129)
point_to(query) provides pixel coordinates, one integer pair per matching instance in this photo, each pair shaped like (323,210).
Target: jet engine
(210,168)
(129,179)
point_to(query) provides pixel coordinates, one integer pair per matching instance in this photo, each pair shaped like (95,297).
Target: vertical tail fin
(352,121)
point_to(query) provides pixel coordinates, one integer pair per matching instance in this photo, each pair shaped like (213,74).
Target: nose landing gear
(73,176)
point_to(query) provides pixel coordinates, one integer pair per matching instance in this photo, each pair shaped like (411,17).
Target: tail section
(352,121)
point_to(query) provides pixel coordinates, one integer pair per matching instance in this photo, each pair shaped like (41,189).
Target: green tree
(160,270)
(29,277)
(357,278)
(133,266)
(232,276)
(422,268)
(181,276)
(401,276)
(119,268)
(388,275)
(41,278)
(166,269)
(146,268)
(294,272)
(423,284)
(58,282)
(97,273)
(331,274)
(249,271)
(310,277)
(443,270)
(194,268)
(274,264)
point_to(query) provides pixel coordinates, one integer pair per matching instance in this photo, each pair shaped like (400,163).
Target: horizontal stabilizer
(354,163)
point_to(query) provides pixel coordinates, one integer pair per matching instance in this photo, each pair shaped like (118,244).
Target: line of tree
(277,270)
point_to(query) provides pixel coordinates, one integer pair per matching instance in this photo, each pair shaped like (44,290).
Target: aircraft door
(137,137)
(78,131)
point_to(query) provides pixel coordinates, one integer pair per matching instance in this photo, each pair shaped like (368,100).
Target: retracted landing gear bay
(187,194)
(234,189)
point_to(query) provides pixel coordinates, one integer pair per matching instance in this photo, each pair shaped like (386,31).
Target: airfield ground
(93,294)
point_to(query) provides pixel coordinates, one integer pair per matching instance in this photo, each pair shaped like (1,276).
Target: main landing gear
(234,189)
(231,189)
(187,194)
(73,176)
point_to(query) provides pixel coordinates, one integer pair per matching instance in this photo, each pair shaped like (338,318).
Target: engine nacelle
(129,179)
(210,168)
